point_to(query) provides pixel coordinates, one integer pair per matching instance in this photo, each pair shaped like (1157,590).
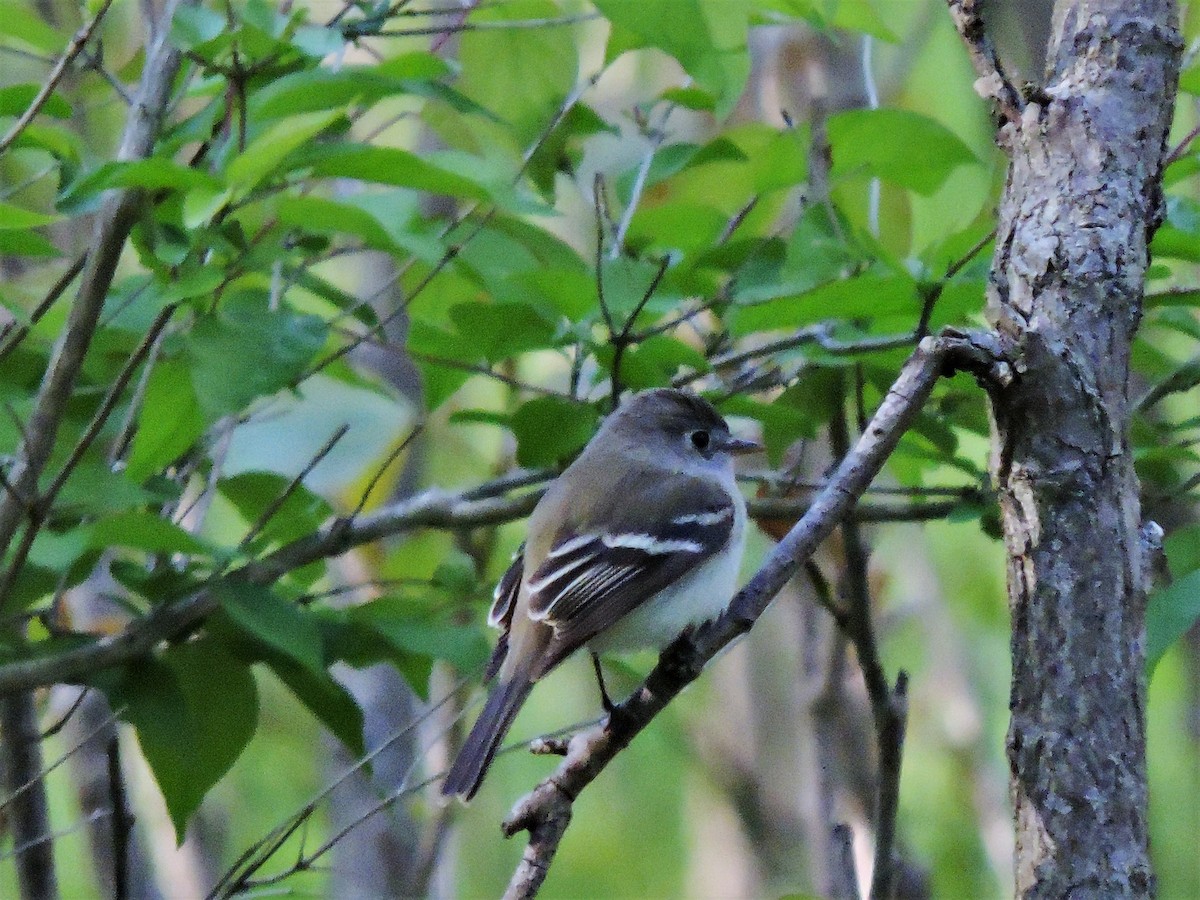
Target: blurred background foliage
(369,242)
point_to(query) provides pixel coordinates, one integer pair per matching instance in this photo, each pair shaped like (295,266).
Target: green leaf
(390,165)
(153,174)
(170,421)
(860,15)
(502,330)
(26,243)
(551,429)
(279,624)
(317,89)
(245,350)
(58,552)
(195,25)
(194,711)
(23,24)
(406,626)
(144,531)
(1189,80)
(1182,547)
(252,493)
(897,145)
(15,218)
(653,362)
(818,252)
(520,75)
(1170,614)
(783,423)
(331,703)
(871,295)
(318,215)
(266,153)
(567,292)
(301,421)
(16,98)
(708,39)
(690,98)
(1179,236)
(428,345)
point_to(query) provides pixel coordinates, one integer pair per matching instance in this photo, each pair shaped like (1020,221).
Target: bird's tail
(475,756)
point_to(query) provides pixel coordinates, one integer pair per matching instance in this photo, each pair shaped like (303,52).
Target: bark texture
(1081,202)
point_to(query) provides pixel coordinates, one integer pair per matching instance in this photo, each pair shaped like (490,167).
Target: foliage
(295,146)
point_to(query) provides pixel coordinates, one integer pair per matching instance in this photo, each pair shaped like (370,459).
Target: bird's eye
(700,440)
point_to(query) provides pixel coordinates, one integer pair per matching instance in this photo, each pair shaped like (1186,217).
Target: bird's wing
(504,599)
(588,581)
(504,602)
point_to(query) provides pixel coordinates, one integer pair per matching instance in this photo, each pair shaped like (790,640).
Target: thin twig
(125,436)
(382,468)
(122,820)
(109,403)
(14,792)
(275,505)
(482,369)
(621,340)
(66,717)
(1182,147)
(82,36)
(890,739)
(992,83)
(657,136)
(858,626)
(37,512)
(841,867)
(60,287)
(252,859)
(28,814)
(599,205)
(42,841)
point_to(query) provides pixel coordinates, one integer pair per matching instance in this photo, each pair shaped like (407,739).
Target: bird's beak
(740,446)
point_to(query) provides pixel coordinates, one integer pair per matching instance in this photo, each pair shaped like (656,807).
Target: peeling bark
(1082,199)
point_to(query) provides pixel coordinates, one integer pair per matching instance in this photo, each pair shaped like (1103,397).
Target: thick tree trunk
(1081,202)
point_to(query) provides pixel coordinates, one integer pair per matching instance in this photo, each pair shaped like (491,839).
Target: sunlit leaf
(390,165)
(708,39)
(897,145)
(266,153)
(170,420)
(16,98)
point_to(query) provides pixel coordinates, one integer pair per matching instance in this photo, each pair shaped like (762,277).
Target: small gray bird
(640,538)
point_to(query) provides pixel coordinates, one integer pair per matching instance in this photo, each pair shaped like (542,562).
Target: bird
(639,539)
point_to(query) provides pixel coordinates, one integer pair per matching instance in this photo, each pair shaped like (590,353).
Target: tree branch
(993,83)
(29,812)
(545,811)
(113,224)
(82,36)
